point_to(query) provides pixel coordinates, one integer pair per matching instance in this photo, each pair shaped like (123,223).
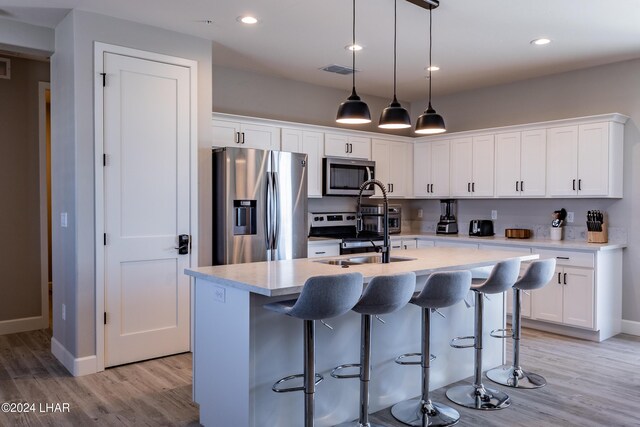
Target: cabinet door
(327,249)
(409,244)
(508,164)
(313,146)
(260,137)
(546,302)
(425,243)
(400,168)
(593,159)
(396,245)
(336,145)
(380,154)
(360,147)
(291,140)
(461,167)
(578,297)
(421,169)
(483,166)
(225,134)
(533,160)
(562,161)
(439,169)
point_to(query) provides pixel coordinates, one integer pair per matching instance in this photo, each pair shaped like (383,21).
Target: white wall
(604,89)
(26,38)
(73,157)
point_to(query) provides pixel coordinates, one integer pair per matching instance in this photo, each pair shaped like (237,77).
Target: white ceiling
(476,43)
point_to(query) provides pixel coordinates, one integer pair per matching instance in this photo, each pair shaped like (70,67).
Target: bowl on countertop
(517,233)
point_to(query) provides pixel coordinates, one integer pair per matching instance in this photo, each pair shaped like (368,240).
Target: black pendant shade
(353,111)
(394,116)
(430,122)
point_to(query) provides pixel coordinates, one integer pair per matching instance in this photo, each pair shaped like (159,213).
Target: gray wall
(73,156)
(20,190)
(604,89)
(252,94)
(25,38)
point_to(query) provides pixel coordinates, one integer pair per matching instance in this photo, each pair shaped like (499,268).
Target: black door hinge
(105,239)
(105,317)
(104,79)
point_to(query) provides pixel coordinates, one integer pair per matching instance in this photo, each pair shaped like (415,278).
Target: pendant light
(353,111)
(430,122)
(394,116)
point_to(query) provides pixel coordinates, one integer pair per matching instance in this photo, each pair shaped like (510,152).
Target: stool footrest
(335,374)
(275,388)
(453,341)
(400,359)
(502,333)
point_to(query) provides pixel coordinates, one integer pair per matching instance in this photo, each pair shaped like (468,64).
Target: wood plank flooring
(590,384)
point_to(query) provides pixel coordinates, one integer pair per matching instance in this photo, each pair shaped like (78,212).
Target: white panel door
(421,169)
(508,164)
(533,161)
(225,134)
(578,303)
(562,161)
(593,159)
(461,167)
(546,302)
(336,145)
(440,169)
(360,147)
(291,140)
(259,136)
(146,187)
(400,168)
(483,166)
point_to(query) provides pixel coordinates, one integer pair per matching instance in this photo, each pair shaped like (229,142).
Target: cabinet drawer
(327,249)
(568,258)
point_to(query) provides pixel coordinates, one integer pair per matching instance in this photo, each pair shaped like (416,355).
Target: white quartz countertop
(287,277)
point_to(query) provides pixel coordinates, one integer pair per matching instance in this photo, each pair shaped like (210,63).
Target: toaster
(481,227)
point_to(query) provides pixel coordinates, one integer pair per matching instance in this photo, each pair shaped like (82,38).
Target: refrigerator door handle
(276,211)
(268,213)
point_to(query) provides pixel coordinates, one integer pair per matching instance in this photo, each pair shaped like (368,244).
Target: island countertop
(286,277)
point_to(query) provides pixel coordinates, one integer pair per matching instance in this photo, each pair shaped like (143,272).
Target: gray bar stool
(477,396)
(538,274)
(442,289)
(322,297)
(382,295)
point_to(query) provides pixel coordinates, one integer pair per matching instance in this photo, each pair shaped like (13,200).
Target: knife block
(598,236)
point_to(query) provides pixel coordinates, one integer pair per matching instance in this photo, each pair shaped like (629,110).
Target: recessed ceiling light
(250,20)
(433,68)
(541,41)
(355,47)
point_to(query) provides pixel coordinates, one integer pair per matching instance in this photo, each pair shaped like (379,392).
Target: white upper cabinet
(393,166)
(431,169)
(472,166)
(520,164)
(585,160)
(338,145)
(245,135)
(312,144)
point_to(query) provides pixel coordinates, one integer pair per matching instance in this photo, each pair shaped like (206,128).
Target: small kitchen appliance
(481,227)
(448,223)
(373,218)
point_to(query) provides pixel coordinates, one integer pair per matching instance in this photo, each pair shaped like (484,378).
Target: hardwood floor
(590,384)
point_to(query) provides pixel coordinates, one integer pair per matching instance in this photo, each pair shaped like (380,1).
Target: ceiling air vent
(338,69)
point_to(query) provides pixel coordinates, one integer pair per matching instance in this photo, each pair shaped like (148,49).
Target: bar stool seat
(322,297)
(442,289)
(537,275)
(382,295)
(503,275)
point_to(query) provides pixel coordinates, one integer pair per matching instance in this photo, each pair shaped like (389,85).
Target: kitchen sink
(370,259)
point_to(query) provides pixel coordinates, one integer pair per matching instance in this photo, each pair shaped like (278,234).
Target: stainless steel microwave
(343,177)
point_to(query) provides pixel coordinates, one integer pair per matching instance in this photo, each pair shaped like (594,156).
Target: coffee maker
(447,223)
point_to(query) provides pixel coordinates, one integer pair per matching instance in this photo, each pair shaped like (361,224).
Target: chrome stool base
(474,397)
(357,424)
(410,412)
(516,378)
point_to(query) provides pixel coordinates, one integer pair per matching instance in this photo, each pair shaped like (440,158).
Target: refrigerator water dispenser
(244,217)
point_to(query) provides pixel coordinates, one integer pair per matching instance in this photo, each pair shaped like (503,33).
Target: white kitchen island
(241,349)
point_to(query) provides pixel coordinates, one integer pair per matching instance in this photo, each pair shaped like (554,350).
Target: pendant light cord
(395,44)
(353,47)
(430,45)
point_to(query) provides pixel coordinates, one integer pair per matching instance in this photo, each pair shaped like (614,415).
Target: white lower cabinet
(403,244)
(317,250)
(420,243)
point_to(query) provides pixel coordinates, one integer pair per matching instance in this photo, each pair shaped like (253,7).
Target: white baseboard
(25,324)
(76,366)
(630,327)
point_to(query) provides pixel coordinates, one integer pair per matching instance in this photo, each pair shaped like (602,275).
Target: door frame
(99,50)
(44,223)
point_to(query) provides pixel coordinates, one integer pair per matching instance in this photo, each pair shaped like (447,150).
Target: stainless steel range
(342,225)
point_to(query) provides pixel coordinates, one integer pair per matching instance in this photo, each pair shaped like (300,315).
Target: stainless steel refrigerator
(259,205)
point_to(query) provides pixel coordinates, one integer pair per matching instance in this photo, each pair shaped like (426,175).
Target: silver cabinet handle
(243,137)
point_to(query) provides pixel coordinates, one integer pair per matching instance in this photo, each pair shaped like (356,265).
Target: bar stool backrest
(386,294)
(444,289)
(538,274)
(502,277)
(323,297)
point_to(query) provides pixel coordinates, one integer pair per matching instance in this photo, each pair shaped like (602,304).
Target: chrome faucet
(386,245)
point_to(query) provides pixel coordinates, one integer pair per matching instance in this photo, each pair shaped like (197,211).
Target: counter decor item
(596,227)
(557,223)
(517,233)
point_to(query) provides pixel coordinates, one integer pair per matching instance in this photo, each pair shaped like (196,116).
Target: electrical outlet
(570,217)
(420,213)
(218,294)
(63,219)
(64,312)
(494,214)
